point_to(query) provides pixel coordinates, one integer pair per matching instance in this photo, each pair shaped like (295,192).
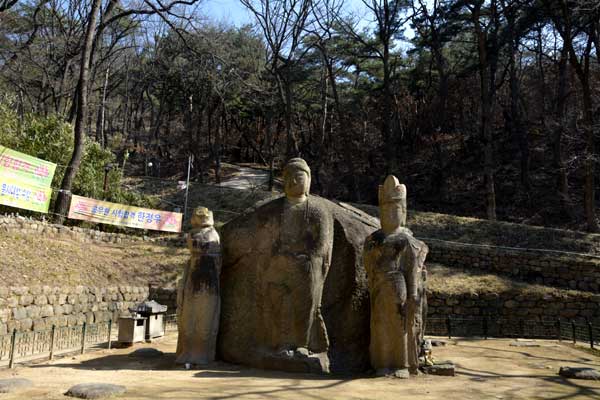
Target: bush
(51,139)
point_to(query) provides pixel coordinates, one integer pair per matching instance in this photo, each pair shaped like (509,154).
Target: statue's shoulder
(319,206)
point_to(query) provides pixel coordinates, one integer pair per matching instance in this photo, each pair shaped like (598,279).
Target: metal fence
(34,345)
(171,322)
(559,329)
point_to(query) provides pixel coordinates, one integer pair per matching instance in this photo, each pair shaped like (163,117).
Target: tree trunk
(100,137)
(292,149)
(562,185)
(589,158)
(517,129)
(64,195)
(487,76)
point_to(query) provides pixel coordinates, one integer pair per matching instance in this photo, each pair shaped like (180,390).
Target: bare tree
(282,23)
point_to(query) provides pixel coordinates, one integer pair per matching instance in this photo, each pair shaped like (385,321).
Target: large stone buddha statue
(279,308)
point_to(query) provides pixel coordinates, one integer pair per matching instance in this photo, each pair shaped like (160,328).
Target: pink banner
(104,212)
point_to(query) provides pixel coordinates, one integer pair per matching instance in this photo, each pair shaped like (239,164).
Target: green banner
(25,169)
(18,194)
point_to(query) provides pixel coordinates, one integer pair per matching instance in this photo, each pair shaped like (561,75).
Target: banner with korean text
(25,169)
(104,212)
(15,193)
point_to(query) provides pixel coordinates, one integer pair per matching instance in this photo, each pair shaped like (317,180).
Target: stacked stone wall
(39,307)
(515,305)
(509,305)
(551,268)
(84,235)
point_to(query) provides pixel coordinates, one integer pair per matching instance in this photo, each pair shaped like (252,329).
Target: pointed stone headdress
(202,217)
(392,191)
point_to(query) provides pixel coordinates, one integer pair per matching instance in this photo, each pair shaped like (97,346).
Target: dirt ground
(486,369)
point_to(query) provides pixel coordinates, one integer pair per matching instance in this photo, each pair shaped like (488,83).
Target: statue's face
(393,216)
(296,184)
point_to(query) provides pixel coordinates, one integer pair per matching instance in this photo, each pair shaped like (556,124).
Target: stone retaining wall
(28,225)
(512,305)
(559,269)
(39,307)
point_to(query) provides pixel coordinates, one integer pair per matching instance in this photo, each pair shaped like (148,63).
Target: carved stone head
(296,179)
(202,218)
(392,204)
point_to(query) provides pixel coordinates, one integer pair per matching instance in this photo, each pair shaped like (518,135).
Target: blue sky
(232,11)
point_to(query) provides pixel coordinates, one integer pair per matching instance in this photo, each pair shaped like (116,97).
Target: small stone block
(14,384)
(439,369)
(579,373)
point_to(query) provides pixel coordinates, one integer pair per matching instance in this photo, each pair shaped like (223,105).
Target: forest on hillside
(485,108)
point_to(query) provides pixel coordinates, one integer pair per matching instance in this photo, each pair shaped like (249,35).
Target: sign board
(104,212)
(20,194)
(25,169)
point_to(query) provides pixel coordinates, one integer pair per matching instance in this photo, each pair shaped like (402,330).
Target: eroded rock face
(198,295)
(294,292)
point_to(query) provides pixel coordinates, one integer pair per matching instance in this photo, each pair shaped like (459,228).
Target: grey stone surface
(579,373)
(95,390)
(14,384)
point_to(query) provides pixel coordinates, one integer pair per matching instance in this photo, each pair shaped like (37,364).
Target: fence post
(485,328)
(13,343)
(573,331)
(591,333)
(558,330)
(449,326)
(109,333)
(83,332)
(52,339)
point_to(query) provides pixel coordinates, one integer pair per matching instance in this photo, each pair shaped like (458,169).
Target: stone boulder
(344,302)
(95,390)
(14,384)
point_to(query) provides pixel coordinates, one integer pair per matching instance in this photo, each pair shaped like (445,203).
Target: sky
(232,11)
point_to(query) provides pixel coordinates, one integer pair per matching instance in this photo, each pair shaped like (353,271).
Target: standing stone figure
(394,261)
(292,275)
(278,259)
(198,297)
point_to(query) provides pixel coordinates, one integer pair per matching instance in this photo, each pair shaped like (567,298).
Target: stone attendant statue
(198,297)
(394,261)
